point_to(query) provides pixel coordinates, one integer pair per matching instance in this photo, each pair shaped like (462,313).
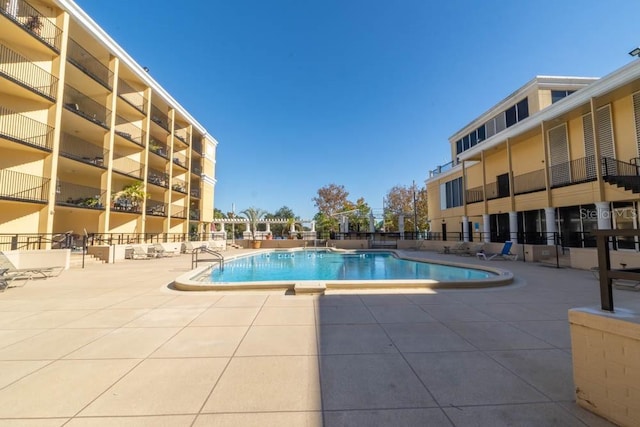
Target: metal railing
(23,187)
(158,148)
(182,135)
(194,214)
(195,192)
(180,160)
(129,131)
(127,166)
(160,118)
(33,21)
(35,241)
(613,167)
(125,204)
(491,191)
(132,96)
(82,105)
(196,169)
(529,182)
(200,254)
(158,178)
(179,185)
(443,168)
(16,127)
(79,196)
(136,238)
(474,195)
(78,149)
(156,208)
(178,212)
(89,64)
(196,145)
(24,72)
(573,172)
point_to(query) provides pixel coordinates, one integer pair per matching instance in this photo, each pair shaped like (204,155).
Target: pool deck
(112,345)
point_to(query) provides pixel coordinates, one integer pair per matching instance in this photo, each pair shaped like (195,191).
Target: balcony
(158,148)
(160,118)
(80,104)
(196,169)
(24,130)
(196,145)
(492,191)
(573,172)
(129,131)
(179,185)
(529,182)
(156,208)
(23,187)
(80,150)
(132,96)
(89,64)
(443,168)
(27,16)
(182,135)
(156,177)
(195,192)
(474,195)
(127,166)
(178,212)
(194,214)
(179,160)
(79,196)
(25,73)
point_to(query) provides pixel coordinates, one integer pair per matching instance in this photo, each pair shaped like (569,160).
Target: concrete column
(292,229)
(465,228)
(268,227)
(604,215)
(372,223)
(486,228)
(401,226)
(513,227)
(313,226)
(550,219)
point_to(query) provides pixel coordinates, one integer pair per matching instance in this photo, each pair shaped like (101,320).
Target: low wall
(606,363)
(587,258)
(40,258)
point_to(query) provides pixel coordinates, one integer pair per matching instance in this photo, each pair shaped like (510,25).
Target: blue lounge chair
(504,254)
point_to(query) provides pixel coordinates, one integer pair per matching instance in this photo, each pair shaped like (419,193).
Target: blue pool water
(327,265)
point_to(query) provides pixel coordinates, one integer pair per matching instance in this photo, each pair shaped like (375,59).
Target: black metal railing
(474,195)
(194,214)
(158,148)
(33,21)
(136,238)
(35,241)
(89,64)
(196,169)
(179,185)
(180,160)
(129,131)
(195,192)
(126,204)
(23,187)
(80,196)
(82,105)
(443,168)
(23,71)
(529,182)
(78,149)
(127,166)
(156,208)
(178,212)
(613,167)
(491,190)
(158,178)
(160,118)
(196,145)
(132,96)
(19,128)
(182,135)
(573,172)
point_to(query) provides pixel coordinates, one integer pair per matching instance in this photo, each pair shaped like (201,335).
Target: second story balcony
(22,129)
(30,18)
(179,185)
(156,208)
(89,64)
(180,160)
(25,73)
(159,178)
(23,187)
(194,214)
(158,148)
(195,192)
(79,196)
(196,168)
(83,151)
(178,212)
(129,131)
(84,106)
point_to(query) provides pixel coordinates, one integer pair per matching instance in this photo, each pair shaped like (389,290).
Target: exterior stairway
(629,183)
(76,260)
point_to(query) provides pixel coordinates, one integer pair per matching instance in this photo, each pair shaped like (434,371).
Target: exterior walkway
(112,345)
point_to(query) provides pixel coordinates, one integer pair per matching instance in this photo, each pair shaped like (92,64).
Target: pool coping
(503,277)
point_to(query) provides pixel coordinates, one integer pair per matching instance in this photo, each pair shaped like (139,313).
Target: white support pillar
(292,229)
(372,223)
(268,227)
(345,222)
(313,226)
(465,228)
(604,215)
(486,228)
(401,226)
(550,220)
(513,227)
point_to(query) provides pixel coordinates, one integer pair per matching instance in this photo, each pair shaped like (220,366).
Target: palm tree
(253,215)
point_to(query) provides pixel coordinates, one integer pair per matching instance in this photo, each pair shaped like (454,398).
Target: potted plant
(254,215)
(130,197)
(34,24)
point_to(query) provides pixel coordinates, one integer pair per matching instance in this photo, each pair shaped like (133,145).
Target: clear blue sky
(302,94)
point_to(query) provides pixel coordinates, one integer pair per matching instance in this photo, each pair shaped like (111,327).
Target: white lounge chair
(504,254)
(9,272)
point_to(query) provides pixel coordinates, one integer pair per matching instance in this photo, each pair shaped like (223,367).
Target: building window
(451,194)
(557,95)
(523,109)
(481,133)
(459,146)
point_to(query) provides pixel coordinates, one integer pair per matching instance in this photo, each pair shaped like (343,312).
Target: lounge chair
(137,252)
(161,252)
(189,247)
(458,248)
(472,251)
(504,254)
(9,272)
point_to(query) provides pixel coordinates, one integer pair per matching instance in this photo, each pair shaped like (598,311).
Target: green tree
(330,200)
(283,213)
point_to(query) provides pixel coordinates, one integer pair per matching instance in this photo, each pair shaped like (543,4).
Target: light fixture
(635,52)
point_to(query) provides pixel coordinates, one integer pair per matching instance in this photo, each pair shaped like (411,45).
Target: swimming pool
(314,271)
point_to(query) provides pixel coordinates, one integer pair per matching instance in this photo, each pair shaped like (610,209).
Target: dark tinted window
(474,138)
(481,133)
(459,146)
(523,109)
(511,116)
(465,142)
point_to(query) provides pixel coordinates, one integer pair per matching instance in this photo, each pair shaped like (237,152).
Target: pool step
(309,288)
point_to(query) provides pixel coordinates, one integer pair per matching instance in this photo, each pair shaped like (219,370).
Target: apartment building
(559,155)
(89,141)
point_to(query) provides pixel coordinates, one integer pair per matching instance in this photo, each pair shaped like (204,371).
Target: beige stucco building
(81,121)
(559,155)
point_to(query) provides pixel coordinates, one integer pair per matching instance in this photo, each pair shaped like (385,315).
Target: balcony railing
(79,196)
(156,208)
(613,167)
(179,185)
(195,192)
(180,160)
(573,172)
(491,190)
(158,178)
(474,195)
(158,148)
(160,118)
(23,187)
(23,71)
(129,131)
(132,96)
(182,135)
(196,145)
(443,168)
(33,21)
(529,182)
(16,127)
(89,64)
(78,149)
(127,166)
(178,212)
(196,168)
(194,214)
(86,107)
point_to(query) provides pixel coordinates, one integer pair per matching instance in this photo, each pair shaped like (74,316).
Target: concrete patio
(112,345)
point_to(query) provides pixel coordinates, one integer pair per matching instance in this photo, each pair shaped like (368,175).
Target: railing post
(604,263)
(84,248)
